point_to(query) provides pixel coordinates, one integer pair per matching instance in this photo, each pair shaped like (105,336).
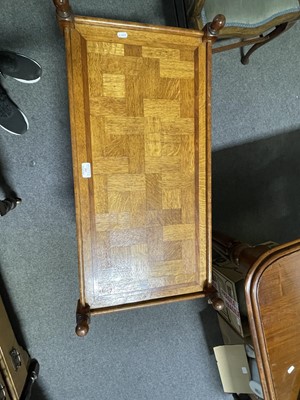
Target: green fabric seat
(255,21)
(248,13)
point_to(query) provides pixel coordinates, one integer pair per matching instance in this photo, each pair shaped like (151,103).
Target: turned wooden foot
(82,319)
(214,299)
(8,205)
(212,29)
(216,302)
(64,12)
(63,8)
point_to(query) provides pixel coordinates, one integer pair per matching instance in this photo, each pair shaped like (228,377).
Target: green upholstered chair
(255,21)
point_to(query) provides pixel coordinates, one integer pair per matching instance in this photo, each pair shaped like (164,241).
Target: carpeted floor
(160,353)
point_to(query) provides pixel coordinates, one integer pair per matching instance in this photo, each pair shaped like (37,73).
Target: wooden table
(140,121)
(273,302)
(272,290)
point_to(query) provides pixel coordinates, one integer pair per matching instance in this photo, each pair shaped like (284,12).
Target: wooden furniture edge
(208,163)
(210,32)
(251,284)
(84,311)
(96,21)
(75,163)
(66,18)
(147,303)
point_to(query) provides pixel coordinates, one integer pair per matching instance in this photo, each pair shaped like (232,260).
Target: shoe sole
(24,80)
(15,133)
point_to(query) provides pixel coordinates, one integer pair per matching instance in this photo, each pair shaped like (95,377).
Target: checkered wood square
(141,232)
(142,128)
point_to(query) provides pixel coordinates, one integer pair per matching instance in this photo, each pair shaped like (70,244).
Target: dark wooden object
(272,291)
(257,42)
(82,319)
(64,13)
(212,29)
(8,205)
(278,30)
(216,301)
(241,254)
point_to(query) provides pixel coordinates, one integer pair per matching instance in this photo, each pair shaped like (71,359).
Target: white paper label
(244,370)
(122,35)
(291,369)
(86,170)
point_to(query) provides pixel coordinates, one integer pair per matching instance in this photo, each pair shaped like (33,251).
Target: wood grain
(139,117)
(273,302)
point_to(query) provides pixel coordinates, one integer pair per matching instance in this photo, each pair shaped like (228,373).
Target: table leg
(8,205)
(82,319)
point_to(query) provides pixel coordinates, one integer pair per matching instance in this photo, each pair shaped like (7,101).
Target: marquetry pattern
(143,140)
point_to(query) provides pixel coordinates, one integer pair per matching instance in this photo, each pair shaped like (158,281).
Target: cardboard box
(229,335)
(233,368)
(229,281)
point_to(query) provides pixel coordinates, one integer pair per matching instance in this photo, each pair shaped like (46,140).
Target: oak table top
(139,98)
